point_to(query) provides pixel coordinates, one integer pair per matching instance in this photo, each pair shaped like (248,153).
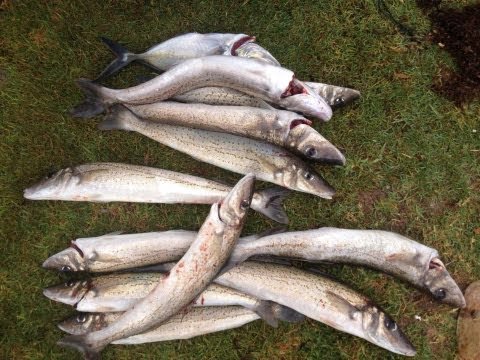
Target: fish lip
(330,155)
(51,294)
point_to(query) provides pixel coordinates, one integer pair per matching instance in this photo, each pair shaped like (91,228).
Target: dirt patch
(458,32)
(368,199)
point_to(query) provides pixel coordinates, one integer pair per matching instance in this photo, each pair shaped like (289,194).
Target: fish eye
(339,101)
(70,283)
(440,294)
(81,318)
(308,176)
(310,152)
(66,268)
(244,204)
(390,324)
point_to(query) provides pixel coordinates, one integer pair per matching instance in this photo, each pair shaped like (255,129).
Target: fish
(386,251)
(120,292)
(238,154)
(319,298)
(184,325)
(106,182)
(279,127)
(187,279)
(117,251)
(173,51)
(270,83)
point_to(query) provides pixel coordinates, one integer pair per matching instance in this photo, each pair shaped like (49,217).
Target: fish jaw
(66,260)
(235,206)
(309,181)
(69,293)
(381,330)
(307,141)
(300,98)
(441,285)
(83,323)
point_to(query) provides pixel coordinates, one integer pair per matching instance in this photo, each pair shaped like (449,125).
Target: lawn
(412,161)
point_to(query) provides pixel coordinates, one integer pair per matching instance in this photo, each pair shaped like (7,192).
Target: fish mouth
(53,294)
(329,154)
(31,193)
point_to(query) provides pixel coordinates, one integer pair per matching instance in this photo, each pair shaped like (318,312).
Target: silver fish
(173,51)
(238,154)
(184,325)
(187,279)
(270,83)
(105,182)
(279,127)
(321,299)
(120,292)
(252,50)
(383,250)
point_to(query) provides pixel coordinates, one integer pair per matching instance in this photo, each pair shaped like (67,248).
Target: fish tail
(266,311)
(78,342)
(94,103)
(118,118)
(124,57)
(287,314)
(271,203)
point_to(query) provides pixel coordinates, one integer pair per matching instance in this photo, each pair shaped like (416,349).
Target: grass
(412,161)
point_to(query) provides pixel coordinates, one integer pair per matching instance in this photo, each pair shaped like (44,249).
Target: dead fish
(186,324)
(270,83)
(321,299)
(187,279)
(120,292)
(279,127)
(116,251)
(173,51)
(238,154)
(386,251)
(106,182)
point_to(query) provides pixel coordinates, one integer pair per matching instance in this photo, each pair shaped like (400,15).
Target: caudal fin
(124,57)
(118,118)
(266,311)
(271,203)
(78,342)
(94,101)
(287,314)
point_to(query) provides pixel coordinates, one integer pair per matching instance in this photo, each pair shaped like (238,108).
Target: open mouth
(297,122)
(240,42)
(294,88)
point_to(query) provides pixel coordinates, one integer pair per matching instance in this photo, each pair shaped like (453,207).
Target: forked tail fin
(271,203)
(78,342)
(124,57)
(94,102)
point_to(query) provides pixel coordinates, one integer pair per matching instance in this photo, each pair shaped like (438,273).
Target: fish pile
(225,100)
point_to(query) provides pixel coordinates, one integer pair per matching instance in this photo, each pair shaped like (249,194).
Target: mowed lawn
(412,161)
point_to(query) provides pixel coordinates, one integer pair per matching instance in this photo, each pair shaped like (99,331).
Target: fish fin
(124,57)
(266,311)
(78,342)
(93,104)
(118,118)
(271,203)
(343,304)
(287,314)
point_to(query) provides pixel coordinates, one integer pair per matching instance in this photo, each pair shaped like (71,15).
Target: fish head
(67,260)
(300,98)
(441,285)
(383,331)
(51,187)
(307,180)
(83,323)
(343,97)
(71,292)
(307,141)
(234,207)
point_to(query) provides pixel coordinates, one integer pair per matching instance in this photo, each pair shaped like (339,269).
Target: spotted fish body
(389,252)
(238,154)
(192,322)
(278,127)
(321,299)
(106,182)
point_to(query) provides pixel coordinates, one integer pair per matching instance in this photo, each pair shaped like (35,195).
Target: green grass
(412,161)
